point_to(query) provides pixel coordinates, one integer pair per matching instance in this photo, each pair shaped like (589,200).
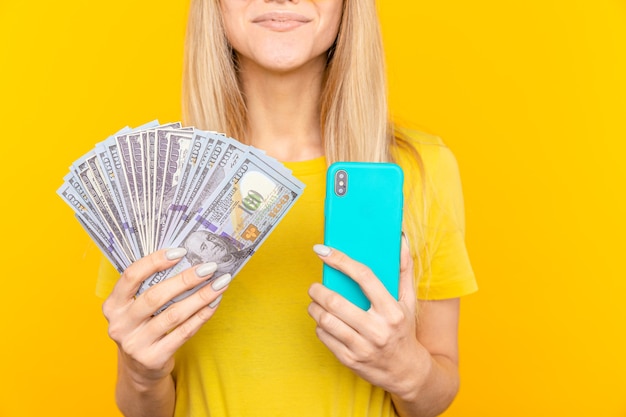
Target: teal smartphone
(363,219)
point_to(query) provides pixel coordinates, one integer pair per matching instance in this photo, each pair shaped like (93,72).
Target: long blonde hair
(354,118)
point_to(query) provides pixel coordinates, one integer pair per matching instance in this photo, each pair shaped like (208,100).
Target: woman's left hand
(380,344)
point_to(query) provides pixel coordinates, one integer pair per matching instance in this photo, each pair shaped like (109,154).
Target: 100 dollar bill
(246,207)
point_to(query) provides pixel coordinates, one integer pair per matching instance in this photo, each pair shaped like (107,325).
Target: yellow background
(531,97)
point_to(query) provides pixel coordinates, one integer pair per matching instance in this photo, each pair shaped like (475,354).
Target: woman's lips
(281,21)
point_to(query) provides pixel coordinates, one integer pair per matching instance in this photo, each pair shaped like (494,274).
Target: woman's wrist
(145,397)
(408,387)
(142,385)
(141,380)
(434,391)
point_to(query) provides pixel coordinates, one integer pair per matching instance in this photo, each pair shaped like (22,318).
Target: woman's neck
(283,111)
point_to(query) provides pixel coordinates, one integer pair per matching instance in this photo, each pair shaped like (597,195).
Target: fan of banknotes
(164,186)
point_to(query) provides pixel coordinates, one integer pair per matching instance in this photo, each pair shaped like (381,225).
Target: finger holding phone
(365,310)
(379,344)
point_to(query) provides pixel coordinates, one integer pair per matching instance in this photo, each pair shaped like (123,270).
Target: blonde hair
(211,94)
(354,118)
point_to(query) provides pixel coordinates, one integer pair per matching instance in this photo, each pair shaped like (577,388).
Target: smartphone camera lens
(341,183)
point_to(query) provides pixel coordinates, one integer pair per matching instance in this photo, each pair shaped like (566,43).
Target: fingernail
(406,238)
(175,253)
(221,282)
(322,250)
(215,302)
(206,269)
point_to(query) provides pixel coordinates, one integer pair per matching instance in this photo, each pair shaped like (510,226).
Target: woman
(303,81)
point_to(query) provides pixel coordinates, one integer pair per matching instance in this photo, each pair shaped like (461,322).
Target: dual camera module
(341,183)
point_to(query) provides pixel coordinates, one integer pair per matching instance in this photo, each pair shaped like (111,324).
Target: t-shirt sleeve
(449,273)
(446,271)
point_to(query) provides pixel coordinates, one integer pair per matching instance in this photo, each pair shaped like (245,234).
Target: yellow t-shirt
(259,355)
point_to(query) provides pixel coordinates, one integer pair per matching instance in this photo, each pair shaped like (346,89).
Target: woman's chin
(287,63)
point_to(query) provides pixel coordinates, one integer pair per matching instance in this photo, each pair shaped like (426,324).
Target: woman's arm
(415,363)
(437,330)
(147,343)
(137,397)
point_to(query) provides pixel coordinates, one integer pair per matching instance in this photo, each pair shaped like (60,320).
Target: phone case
(363,219)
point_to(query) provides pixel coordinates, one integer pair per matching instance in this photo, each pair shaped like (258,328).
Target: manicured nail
(221,282)
(206,269)
(406,238)
(215,302)
(175,253)
(322,250)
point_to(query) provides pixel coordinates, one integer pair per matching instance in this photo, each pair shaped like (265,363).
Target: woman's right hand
(146,342)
